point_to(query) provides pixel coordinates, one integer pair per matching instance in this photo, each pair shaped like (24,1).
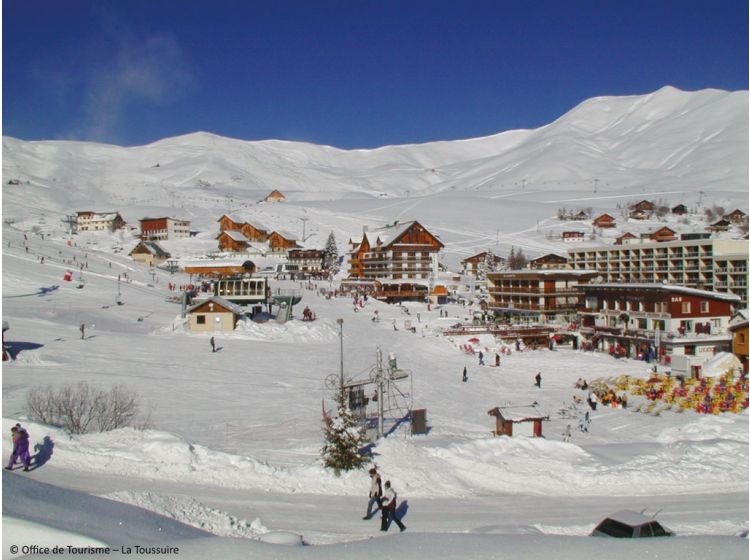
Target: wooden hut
(522,420)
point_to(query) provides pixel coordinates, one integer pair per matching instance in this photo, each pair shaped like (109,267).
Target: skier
(213,344)
(481,358)
(465,377)
(497,359)
(376,493)
(82,328)
(567,435)
(388,506)
(538,380)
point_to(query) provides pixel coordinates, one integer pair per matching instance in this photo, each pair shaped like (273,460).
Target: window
(741,338)
(704,307)
(200,319)
(614,529)
(686,307)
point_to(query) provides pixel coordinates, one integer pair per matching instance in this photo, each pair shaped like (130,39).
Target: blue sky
(352,74)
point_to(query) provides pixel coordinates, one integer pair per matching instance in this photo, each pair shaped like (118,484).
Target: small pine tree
(343,439)
(331,255)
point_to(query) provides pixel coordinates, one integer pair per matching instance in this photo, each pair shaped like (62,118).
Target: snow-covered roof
(218,300)
(665,287)
(256,225)
(236,219)
(236,235)
(153,248)
(629,517)
(519,413)
(286,235)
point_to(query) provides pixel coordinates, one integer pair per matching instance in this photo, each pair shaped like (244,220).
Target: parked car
(626,524)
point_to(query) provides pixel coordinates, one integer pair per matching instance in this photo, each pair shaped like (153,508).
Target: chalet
(736,216)
(230,222)
(274,196)
(738,328)
(573,236)
(546,295)
(254,231)
(639,215)
(159,229)
(721,225)
(629,319)
(626,237)
(214,314)
(471,265)
(550,260)
(98,221)
(680,210)
(281,242)
(604,221)
(233,241)
(581,216)
(644,206)
(149,252)
(404,255)
(663,234)
(518,420)
(309,262)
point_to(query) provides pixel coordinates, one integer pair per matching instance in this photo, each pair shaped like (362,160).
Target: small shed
(214,314)
(522,420)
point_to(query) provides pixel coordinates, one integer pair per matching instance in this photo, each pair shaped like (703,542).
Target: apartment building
(537,295)
(159,229)
(709,264)
(98,221)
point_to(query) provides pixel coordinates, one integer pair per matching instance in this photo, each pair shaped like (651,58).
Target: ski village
(224,349)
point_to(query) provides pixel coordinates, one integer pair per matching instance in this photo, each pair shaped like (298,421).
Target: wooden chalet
(644,206)
(680,210)
(472,264)
(625,238)
(254,231)
(573,236)
(581,216)
(524,420)
(550,260)
(736,216)
(230,222)
(148,252)
(233,241)
(214,314)
(663,234)
(274,196)
(604,221)
(721,225)
(403,255)
(280,242)
(218,268)
(639,215)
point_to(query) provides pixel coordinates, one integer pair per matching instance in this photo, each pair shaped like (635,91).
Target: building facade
(635,319)
(98,221)
(308,261)
(709,264)
(160,229)
(542,295)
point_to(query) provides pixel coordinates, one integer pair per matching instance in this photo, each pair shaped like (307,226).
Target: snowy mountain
(670,144)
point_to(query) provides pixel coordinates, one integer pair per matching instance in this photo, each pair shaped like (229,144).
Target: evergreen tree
(343,439)
(331,255)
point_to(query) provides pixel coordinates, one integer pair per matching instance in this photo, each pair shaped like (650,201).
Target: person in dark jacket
(538,380)
(465,377)
(376,493)
(213,344)
(388,505)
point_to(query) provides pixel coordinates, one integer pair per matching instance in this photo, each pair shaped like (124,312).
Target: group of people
(20,440)
(385,498)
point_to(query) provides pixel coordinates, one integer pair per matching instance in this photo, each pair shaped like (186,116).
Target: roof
(285,234)
(256,225)
(235,235)
(153,248)
(518,413)
(232,217)
(234,308)
(629,517)
(666,288)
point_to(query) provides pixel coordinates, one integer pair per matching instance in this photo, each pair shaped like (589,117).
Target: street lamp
(341,341)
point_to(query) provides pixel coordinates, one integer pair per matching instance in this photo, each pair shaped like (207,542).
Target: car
(627,524)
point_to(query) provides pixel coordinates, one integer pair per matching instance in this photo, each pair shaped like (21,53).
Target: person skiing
(567,435)
(481,358)
(465,377)
(82,328)
(585,422)
(376,493)
(497,359)
(213,344)
(538,380)
(388,506)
